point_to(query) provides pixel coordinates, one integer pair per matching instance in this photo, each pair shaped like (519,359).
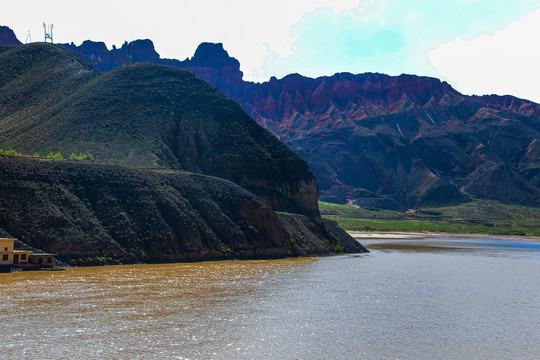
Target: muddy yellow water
(396,302)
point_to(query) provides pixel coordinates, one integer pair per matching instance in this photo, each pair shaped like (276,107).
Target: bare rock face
(391,142)
(97,54)
(214,65)
(529,165)
(500,182)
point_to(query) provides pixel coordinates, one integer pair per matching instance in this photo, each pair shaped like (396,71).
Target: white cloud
(506,62)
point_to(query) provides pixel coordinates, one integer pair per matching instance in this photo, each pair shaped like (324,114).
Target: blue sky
(393,36)
(478,46)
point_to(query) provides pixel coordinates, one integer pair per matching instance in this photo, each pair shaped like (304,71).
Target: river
(435,297)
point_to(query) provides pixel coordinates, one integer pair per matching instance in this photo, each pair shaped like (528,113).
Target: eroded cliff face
(86,210)
(101,58)
(214,65)
(399,142)
(90,214)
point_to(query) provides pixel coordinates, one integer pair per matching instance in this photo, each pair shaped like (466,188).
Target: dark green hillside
(91,213)
(34,78)
(144,116)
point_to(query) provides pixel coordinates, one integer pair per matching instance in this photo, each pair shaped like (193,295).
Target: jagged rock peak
(7,36)
(212,54)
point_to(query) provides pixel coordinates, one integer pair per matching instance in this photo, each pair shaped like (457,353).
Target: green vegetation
(338,249)
(86,156)
(57,156)
(10,152)
(479,217)
(51,155)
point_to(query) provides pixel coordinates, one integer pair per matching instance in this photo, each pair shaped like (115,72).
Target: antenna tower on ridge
(28,38)
(48,30)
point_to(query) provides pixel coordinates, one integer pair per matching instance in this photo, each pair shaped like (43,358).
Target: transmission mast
(28,38)
(48,30)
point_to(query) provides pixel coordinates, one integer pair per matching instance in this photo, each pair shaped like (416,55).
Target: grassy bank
(478,217)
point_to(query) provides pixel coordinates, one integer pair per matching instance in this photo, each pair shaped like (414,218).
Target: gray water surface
(449,298)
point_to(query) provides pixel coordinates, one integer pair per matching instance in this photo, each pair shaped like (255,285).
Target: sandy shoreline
(365,235)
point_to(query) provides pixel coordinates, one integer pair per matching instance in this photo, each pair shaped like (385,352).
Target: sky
(478,46)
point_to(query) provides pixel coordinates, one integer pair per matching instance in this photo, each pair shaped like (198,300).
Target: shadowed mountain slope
(7,36)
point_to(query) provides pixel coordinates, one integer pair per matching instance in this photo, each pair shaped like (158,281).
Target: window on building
(40,260)
(5,249)
(5,257)
(49,260)
(23,257)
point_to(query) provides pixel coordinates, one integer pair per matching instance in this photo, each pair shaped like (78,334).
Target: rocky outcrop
(102,59)
(210,62)
(317,236)
(214,65)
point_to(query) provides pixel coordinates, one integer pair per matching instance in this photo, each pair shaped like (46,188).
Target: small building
(41,260)
(10,256)
(22,258)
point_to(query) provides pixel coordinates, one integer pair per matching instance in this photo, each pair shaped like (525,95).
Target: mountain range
(171,149)
(374,140)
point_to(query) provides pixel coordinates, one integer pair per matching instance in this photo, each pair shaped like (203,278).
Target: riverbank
(479,217)
(364,235)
